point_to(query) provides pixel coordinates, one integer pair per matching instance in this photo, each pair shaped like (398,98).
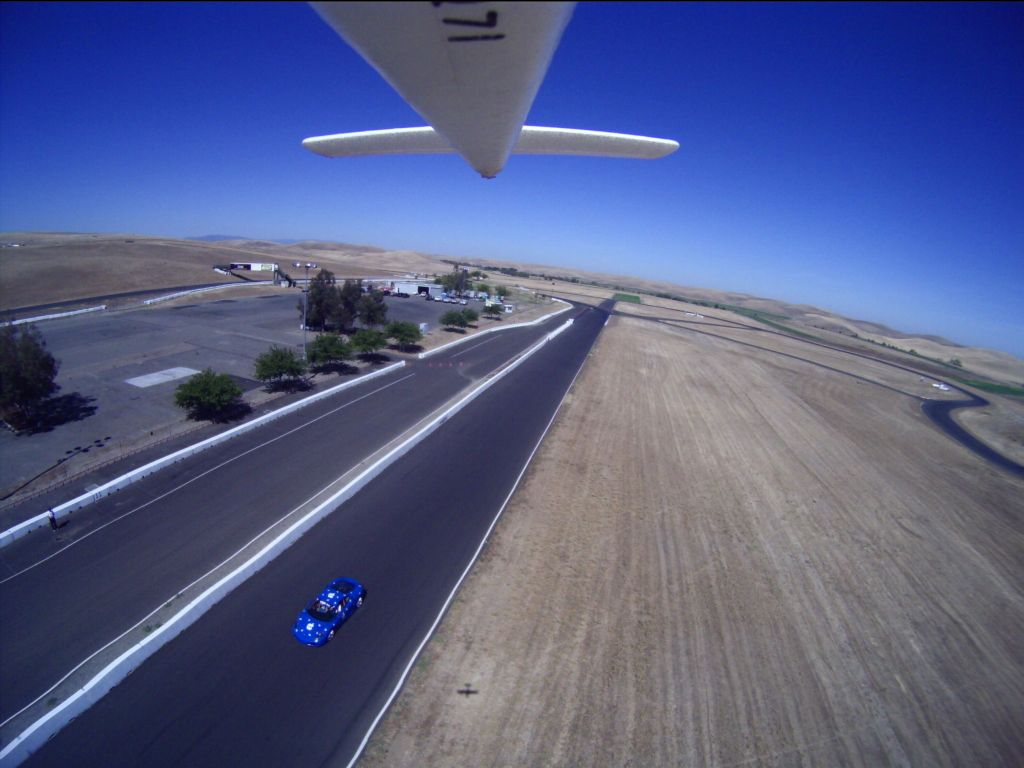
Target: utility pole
(305,301)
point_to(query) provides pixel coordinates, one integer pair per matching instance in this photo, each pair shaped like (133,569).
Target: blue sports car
(328,611)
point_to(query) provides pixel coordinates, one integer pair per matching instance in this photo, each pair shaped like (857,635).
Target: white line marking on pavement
(132,628)
(485,341)
(200,476)
(469,566)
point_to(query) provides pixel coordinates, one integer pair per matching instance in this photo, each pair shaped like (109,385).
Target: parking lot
(118,370)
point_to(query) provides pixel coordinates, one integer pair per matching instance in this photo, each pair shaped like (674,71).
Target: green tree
(323,299)
(350,295)
(367,341)
(328,349)
(471,316)
(502,291)
(453,320)
(279,365)
(956,361)
(494,311)
(484,288)
(27,372)
(404,333)
(371,309)
(456,281)
(209,395)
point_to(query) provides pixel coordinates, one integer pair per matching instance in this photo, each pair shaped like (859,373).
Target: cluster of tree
(457,319)
(405,334)
(456,281)
(28,374)
(332,306)
(210,395)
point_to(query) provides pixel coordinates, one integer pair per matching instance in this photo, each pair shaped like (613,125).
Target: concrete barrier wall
(117,484)
(463,340)
(100,308)
(170,296)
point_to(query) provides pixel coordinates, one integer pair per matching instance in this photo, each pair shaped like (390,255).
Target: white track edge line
(472,562)
(89,497)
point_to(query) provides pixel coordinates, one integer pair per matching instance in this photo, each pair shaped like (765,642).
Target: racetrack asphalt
(194,514)
(235,688)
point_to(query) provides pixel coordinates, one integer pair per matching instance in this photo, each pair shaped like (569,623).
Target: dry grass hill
(91,265)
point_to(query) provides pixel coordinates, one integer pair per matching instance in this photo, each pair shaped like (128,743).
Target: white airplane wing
(532,140)
(471,70)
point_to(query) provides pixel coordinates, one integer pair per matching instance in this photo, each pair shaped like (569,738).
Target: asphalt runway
(190,518)
(236,688)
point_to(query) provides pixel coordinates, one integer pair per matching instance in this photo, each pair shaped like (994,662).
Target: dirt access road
(723,556)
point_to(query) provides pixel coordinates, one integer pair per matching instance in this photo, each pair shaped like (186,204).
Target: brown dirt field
(997,365)
(722,556)
(728,325)
(1000,424)
(87,265)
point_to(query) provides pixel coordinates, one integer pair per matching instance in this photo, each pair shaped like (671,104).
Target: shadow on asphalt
(342,369)
(290,385)
(374,358)
(234,412)
(62,409)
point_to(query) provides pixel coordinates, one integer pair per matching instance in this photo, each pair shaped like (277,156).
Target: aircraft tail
(533,140)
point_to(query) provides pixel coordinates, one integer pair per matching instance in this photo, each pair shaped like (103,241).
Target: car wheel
(359,602)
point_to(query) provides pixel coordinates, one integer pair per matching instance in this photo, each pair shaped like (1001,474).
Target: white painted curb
(463,340)
(40,731)
(62,510)
(100,308)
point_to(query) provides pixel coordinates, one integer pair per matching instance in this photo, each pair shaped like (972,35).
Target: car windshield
(320,610)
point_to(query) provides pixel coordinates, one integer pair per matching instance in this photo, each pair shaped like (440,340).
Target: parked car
(328,611)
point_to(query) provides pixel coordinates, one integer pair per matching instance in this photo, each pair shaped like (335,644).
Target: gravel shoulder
(723,556)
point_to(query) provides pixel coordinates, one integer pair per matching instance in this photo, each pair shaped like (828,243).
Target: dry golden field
(52,267)
(723,555)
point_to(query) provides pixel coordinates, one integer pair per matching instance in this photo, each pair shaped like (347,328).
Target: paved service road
(236,688)
(188,518)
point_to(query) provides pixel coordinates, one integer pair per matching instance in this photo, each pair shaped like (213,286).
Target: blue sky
(868,159)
